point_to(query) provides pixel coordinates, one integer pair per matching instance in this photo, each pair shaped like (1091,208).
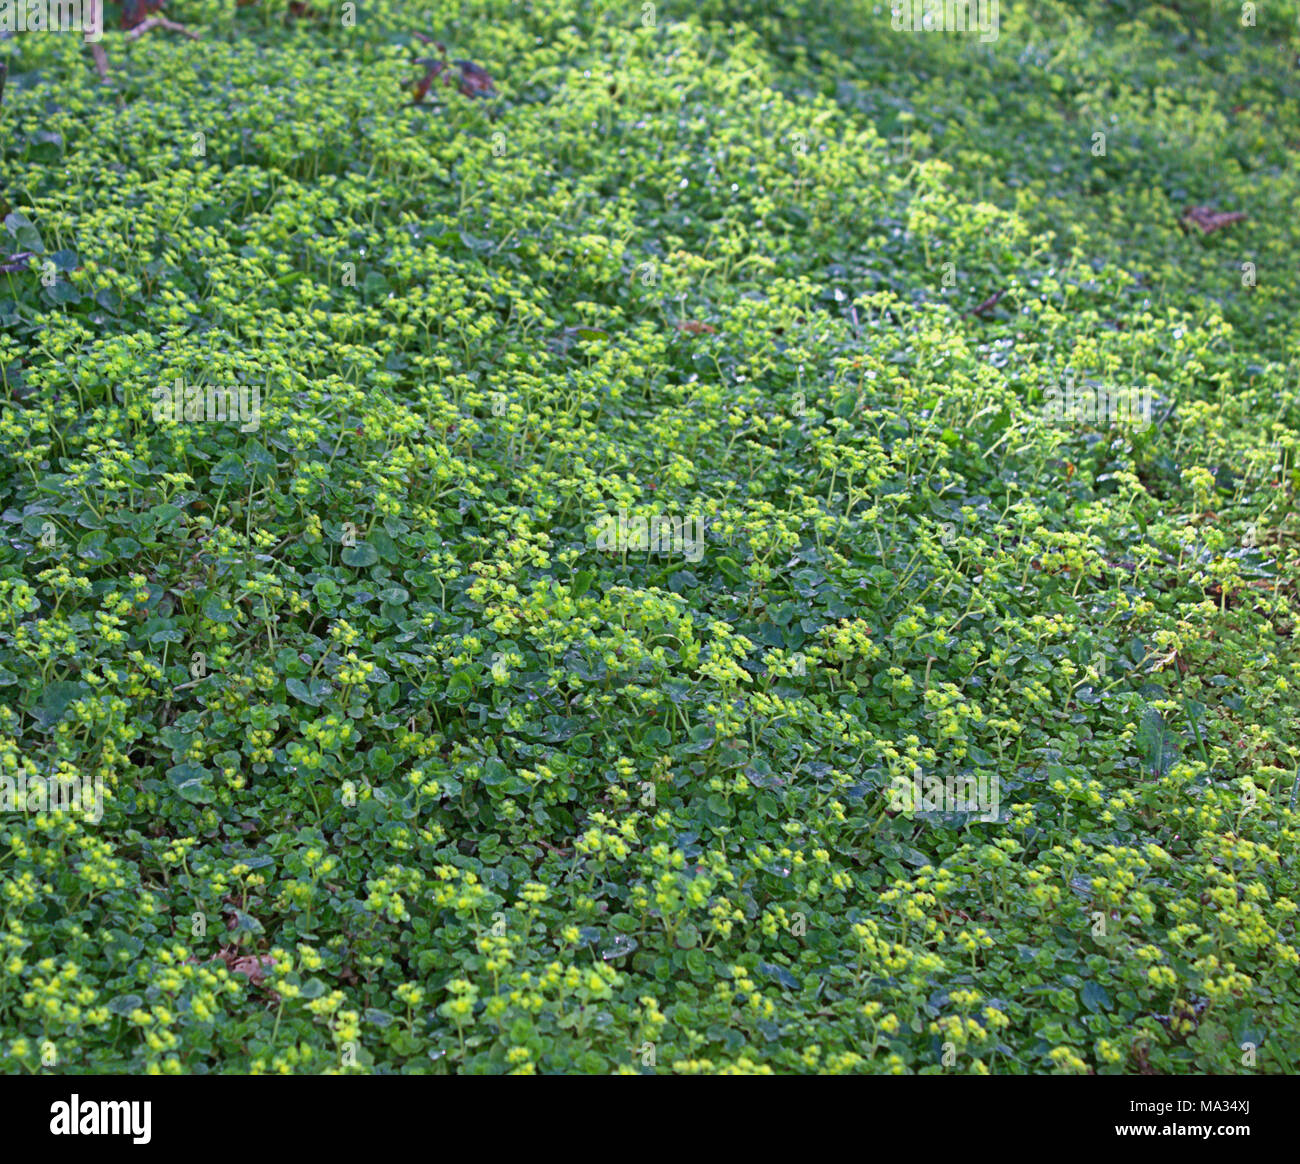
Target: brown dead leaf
(695,327)
(1207,220)
(475,81)
(434,69)
(252,966)
(988,305)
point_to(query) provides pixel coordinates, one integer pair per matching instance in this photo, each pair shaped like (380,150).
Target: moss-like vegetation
(973,459)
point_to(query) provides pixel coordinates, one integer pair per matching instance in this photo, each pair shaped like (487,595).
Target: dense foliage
(405,770)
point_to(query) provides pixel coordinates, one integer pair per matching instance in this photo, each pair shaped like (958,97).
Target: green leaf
(244,923)
(1157,746)
(55,700)
(300,691)
(214,608)
(26,237)
(779,974)
(361,555)
(191,782)
(1095,997)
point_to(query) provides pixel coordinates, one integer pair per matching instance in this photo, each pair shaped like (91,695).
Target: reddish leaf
(1207,220)
(434,69)
(475,81)
(137,11)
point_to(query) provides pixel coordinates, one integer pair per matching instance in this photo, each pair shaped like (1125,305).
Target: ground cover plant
(505,505)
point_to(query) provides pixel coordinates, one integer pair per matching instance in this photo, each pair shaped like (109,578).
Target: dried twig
(95,18)
(159,22)
(987,305)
